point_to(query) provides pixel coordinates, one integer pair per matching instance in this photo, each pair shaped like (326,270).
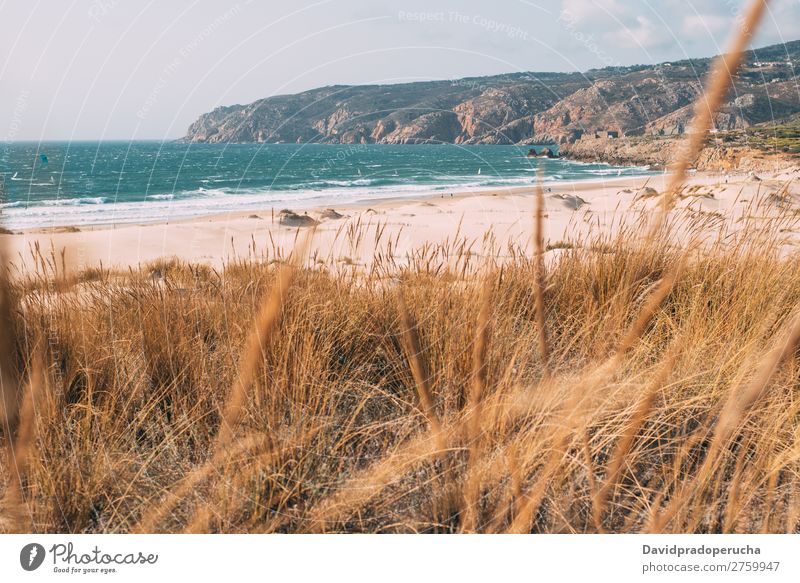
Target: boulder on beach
(330,214)
(647,192)
(290,218)
(571,201)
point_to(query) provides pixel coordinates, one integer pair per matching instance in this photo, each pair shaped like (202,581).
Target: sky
(141,69)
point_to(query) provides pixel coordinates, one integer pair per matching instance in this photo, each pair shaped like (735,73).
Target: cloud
(620,23)
(641,33)
(585,11)
(694,24)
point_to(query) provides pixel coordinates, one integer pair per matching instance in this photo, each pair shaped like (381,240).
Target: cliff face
(655,152)
(758,148)
(626,104)
(514,108)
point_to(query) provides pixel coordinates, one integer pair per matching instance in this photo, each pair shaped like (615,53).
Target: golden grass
(417,401)
(539,274)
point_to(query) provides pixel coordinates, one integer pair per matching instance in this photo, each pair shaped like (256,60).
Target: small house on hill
(606,134)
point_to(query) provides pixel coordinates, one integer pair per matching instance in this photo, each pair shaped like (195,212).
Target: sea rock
(547,153)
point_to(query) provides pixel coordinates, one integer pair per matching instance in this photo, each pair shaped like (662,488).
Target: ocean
(92,183)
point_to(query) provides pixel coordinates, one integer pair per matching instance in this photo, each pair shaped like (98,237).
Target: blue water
(86,183)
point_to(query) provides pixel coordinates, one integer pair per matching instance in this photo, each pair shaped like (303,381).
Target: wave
(206,191)
(73,201)
(323,183)
(615,171)
(320,184)
(194,193)
(604,171)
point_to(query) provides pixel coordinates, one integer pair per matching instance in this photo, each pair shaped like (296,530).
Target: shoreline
(371,198)
(391,226)
(382,202)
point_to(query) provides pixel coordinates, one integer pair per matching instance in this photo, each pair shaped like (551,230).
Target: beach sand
(400,227)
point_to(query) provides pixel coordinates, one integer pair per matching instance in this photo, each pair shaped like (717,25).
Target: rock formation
(515,108)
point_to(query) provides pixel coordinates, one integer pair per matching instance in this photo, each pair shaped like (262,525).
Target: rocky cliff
(766,146)
(513,108)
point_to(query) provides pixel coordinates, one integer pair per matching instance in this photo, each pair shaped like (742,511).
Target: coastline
(309,179)
(404,224)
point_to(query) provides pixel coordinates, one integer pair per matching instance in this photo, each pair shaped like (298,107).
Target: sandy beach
(487,222)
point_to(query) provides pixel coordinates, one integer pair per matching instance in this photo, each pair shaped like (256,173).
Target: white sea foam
(73,201)
(208,191)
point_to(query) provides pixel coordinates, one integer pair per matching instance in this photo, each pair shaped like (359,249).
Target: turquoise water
(85,183)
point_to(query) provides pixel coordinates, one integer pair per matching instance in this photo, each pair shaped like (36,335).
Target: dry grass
(415,401)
